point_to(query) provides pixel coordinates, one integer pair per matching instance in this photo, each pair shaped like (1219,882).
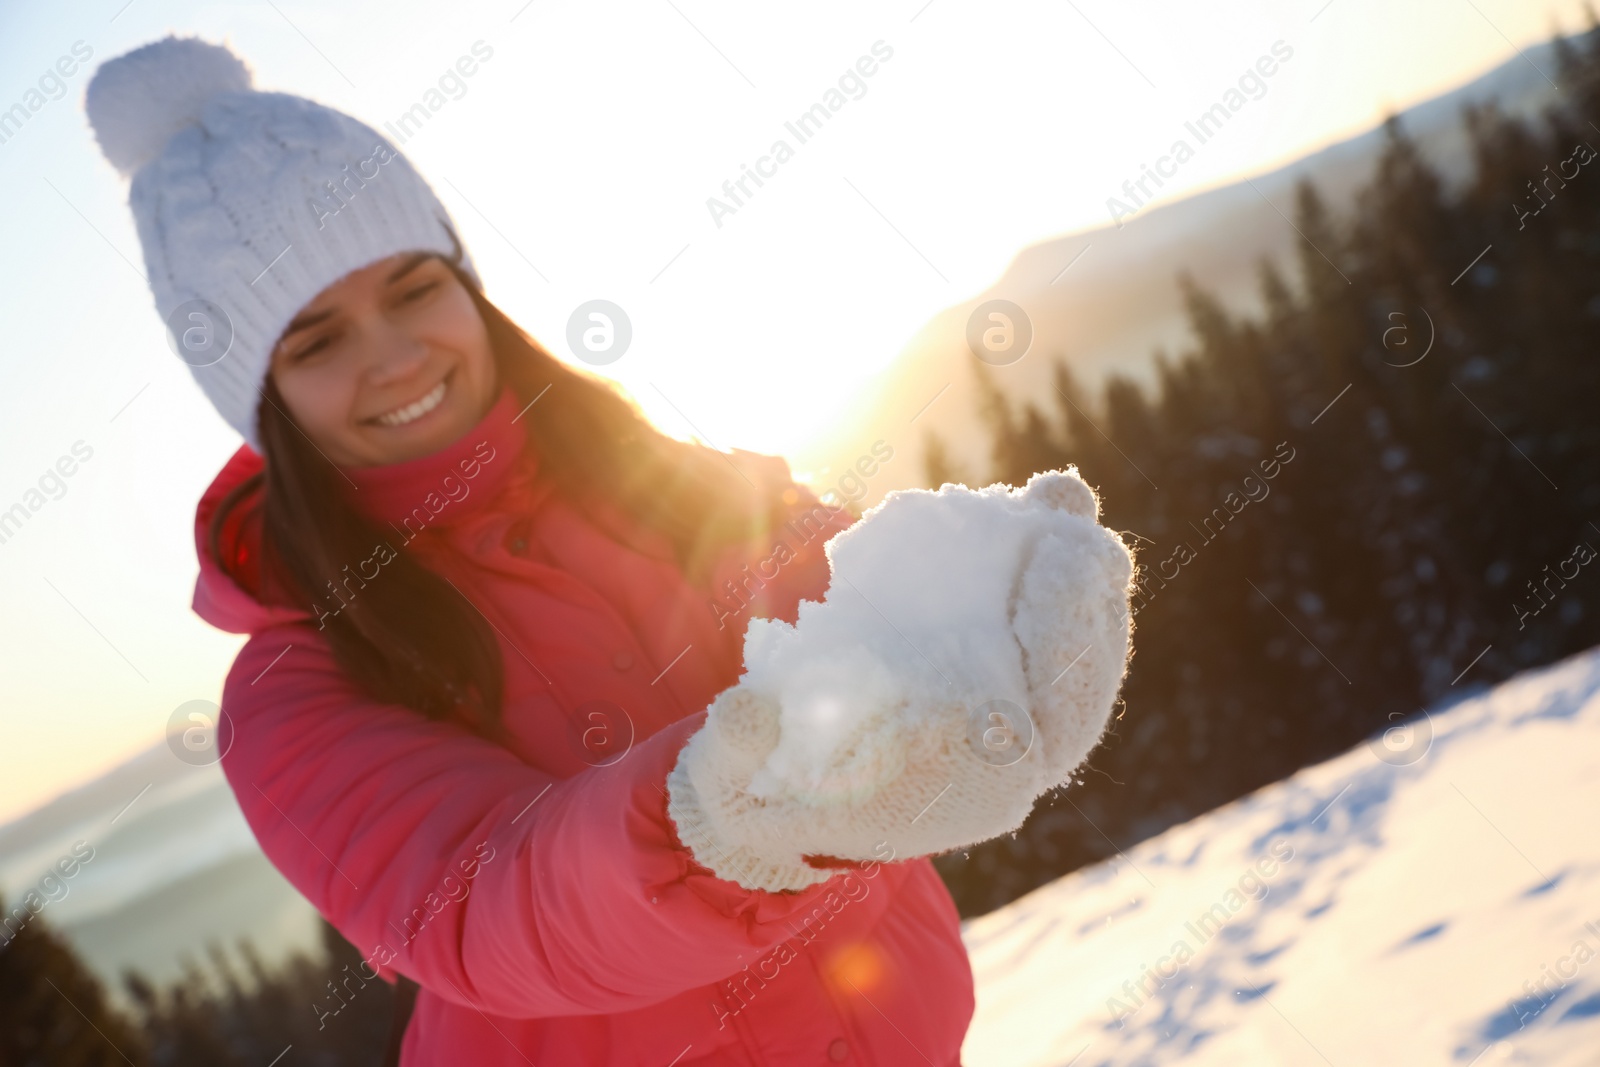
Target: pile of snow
(1418,900)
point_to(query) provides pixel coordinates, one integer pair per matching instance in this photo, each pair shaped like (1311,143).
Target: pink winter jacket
(537,891)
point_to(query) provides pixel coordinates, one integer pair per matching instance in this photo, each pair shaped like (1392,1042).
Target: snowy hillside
(1112,311)
(1438,905)
(1414,913)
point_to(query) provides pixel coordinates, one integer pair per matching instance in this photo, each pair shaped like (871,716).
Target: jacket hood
(238,589)
(228,592)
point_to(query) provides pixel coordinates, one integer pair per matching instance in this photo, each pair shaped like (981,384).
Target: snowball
(918,617)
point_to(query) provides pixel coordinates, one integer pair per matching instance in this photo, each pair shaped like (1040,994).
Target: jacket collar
(237,593)
(452,484)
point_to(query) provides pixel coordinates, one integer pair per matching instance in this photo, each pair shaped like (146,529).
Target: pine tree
(53,1010)
(937,464)
(1430,366)
(331,1010)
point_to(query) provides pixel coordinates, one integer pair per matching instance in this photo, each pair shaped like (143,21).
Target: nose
(396,355)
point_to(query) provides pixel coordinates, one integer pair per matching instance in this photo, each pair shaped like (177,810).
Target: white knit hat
(248,204)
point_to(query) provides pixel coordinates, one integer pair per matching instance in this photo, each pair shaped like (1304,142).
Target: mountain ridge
(1116,307)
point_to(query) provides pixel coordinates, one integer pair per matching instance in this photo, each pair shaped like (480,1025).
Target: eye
(417,292)
(300,355)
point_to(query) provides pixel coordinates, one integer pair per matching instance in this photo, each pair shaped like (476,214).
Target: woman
(479,593)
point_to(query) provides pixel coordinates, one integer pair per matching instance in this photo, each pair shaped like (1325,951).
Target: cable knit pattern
(966,660)
(253,202)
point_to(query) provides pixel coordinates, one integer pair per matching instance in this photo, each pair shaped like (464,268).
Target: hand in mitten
(965,660)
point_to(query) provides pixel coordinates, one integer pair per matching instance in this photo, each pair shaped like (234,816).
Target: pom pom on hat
(138,101)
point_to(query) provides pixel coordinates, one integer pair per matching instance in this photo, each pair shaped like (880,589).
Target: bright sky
(578,164)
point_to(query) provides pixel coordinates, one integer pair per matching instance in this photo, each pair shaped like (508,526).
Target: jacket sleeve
(444,857)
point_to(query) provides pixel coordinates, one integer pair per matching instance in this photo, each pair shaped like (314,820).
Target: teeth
(415,410)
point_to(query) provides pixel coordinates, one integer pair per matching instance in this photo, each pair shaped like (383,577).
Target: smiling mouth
(417,408)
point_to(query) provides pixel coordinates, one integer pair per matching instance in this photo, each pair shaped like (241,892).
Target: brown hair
(412,638)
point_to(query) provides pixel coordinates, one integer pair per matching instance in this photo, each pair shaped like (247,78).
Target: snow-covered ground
(1430,912)
(1425,902)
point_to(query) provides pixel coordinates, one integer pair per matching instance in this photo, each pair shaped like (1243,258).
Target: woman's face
(387,364)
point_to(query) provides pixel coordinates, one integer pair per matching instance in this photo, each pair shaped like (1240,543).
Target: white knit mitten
(965,661)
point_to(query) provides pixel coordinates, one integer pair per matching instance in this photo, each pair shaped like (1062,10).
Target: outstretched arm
(446,858)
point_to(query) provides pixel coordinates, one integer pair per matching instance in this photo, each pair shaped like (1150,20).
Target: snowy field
(1439,905)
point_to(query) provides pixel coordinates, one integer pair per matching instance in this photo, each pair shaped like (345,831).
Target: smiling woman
(389,363)
(409,696)
(352,398)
